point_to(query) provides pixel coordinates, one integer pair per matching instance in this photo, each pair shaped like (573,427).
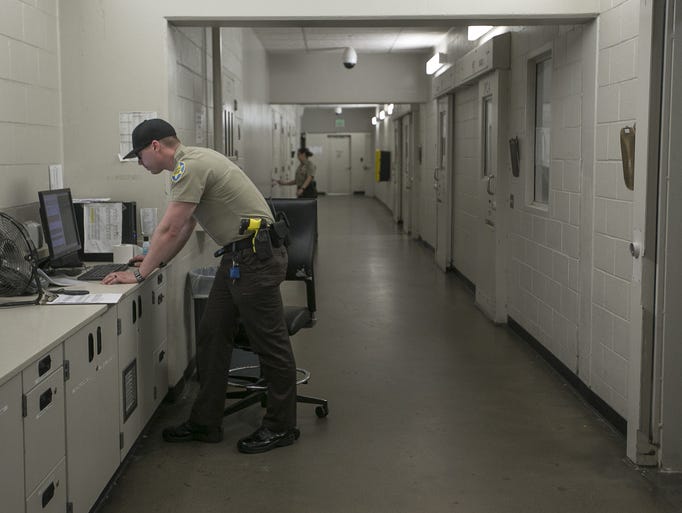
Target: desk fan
(18,263)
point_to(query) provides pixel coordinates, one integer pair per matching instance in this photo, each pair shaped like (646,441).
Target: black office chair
(302,217)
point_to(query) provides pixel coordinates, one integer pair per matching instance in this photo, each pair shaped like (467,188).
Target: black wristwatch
(138,275)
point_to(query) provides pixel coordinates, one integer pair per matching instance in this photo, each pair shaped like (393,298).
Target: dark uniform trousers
(255,299)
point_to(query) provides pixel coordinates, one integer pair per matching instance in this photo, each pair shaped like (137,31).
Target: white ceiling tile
(363,39)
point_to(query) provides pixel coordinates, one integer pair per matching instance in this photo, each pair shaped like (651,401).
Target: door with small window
(492,180)
(406,171)
(441,183)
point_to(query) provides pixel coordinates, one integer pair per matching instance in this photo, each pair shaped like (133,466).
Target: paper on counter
(57,280)
(85,299)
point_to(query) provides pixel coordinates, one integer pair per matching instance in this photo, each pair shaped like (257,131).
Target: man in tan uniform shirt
(208,188)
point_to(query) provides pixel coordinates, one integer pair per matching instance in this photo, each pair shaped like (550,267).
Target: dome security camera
(350,57)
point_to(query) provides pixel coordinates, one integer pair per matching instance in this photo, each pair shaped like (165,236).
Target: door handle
(490,186)
(91,347)
(44,365)
(45,398)
(47,495)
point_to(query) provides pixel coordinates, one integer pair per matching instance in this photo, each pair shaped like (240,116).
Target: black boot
(188,431)
(263,440)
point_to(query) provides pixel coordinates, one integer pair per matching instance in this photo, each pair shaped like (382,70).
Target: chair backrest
(302,216)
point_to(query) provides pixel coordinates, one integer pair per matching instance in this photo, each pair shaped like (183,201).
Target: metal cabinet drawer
(50,496)
(44,434)
(11,447)
(42,367)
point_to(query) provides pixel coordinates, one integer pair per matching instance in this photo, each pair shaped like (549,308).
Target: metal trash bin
(201,281)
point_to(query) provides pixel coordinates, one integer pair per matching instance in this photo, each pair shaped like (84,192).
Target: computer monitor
(59,225)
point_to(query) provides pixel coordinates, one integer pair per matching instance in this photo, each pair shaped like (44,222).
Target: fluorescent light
(389,109)
(435,63)
(382,114)
(476,31)
(338,111)
(374,120)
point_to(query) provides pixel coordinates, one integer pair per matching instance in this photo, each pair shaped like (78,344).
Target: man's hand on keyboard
(119,277)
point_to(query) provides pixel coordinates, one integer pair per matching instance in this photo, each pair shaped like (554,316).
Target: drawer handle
(162,354)
(139,306)
(91,347)
(48,494)
(44,365)
(99,340)
(134,313)
(45,399)
(160,299)
(159,279)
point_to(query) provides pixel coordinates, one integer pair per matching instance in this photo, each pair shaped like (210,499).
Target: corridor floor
(432,408)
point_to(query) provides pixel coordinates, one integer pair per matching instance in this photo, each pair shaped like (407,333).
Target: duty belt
(235,246)
(240,244)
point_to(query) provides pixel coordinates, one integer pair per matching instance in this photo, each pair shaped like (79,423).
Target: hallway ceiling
(363,39)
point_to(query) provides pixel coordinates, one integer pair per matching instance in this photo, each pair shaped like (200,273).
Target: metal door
(667,417)
(396,173)
(490,278)
(339,164)
(407,172)
(278,170)
(441,183)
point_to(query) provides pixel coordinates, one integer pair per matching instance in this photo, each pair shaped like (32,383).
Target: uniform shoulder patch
(179,172)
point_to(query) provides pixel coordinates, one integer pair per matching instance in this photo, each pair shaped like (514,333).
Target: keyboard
(98,272)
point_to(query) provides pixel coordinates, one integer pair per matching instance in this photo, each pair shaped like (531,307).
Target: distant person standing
(305,176)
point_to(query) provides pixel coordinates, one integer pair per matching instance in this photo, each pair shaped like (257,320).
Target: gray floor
(432,408)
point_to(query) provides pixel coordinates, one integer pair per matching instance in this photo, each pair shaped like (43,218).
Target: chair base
(255,391)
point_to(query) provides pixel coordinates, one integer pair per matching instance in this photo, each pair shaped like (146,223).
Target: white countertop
(26,332)
(29,331)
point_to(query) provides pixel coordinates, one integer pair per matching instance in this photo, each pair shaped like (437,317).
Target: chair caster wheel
(322,411)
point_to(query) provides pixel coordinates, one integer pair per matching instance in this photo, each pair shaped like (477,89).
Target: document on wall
(56,176)
(102,226)
(149,218)
(127,121)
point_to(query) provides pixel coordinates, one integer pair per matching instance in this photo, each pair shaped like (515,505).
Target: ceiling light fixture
(374,121)
(389,109)
(476,31)
(338,111)
(382,114)
(435,63)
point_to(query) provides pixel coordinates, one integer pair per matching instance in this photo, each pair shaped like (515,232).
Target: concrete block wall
(191,94)
(190,97)
(30,113)
(233,84)
(543,272)
(612,230)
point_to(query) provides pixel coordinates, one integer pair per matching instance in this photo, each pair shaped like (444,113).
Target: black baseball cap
(146,132)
